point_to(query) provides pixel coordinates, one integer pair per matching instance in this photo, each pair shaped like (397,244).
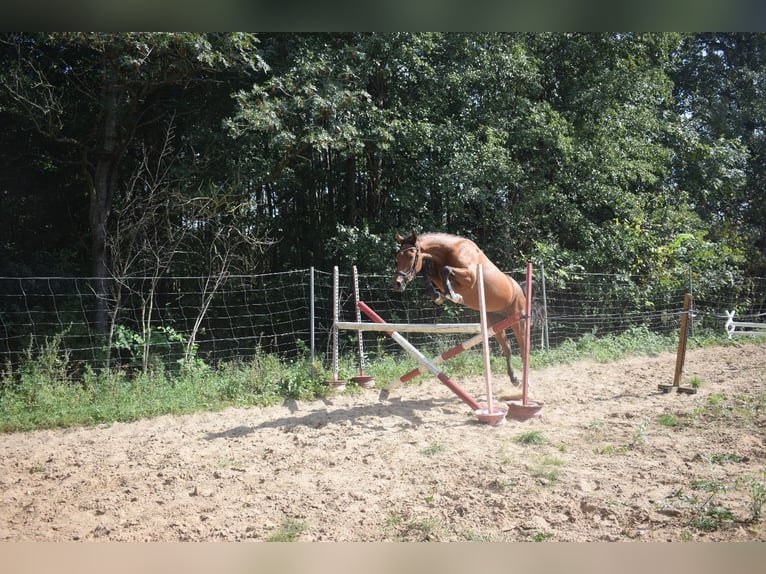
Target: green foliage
(634,341)
(433,449)
(530,437)
(667,420)
(631,152)
(45,395)
(290,531)
(43,391)
(548,470)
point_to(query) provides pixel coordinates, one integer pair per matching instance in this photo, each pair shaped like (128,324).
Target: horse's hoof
(458,299)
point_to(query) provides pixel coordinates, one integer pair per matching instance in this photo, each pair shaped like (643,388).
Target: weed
(548,470)
(756,488)
(433,449)
(667,420)
(530,437)
(501,485)
(709,485)
(290,530)
(541,536)
(420,530)
(639,436)
(727,457)
(710,519)
(407,530)
(611,449)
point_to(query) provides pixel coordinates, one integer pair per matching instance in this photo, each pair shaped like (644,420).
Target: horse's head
(408,261)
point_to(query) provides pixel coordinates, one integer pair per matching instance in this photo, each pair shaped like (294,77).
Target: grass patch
(433,449)
(47,390)
(530,437)
(43,393)
(639,437)
(727,457)
(405,529)
(667,420)
(541,536)
(290,531)
(611,449)
(548,470)
(709,512)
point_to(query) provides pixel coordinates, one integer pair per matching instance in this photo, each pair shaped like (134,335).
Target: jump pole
(457,349)
(525,409)
(491,415)
(362,380)
(410,348)
(335,383)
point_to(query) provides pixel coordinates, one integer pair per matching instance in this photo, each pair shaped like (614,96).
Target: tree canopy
(610,152)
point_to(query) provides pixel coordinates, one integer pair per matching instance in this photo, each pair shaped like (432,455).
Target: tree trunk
(101,190)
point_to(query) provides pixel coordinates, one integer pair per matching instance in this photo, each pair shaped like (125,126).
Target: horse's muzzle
(399,283)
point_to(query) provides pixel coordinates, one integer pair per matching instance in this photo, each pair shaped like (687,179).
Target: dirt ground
(418,466)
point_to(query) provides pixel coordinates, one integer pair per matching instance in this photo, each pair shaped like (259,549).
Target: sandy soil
(418,466)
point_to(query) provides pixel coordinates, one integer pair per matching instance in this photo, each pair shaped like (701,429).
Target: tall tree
(91,93)
(720,98)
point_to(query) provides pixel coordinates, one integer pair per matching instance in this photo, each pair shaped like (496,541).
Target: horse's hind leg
(505,345)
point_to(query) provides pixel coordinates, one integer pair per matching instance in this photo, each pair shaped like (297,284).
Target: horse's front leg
(434,289)
(437,293)
(446,273)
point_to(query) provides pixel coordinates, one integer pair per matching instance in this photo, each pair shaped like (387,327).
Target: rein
(413,269)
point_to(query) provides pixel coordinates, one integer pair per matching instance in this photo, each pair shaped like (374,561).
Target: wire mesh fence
(290,313)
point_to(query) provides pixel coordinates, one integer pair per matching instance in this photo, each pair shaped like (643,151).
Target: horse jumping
(453,275)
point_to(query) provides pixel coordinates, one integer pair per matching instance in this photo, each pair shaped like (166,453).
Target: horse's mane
(439,235)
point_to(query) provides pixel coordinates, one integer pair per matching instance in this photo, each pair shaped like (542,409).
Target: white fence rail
(734,328)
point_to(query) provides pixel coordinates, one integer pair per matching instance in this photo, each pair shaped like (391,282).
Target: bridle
(407,275)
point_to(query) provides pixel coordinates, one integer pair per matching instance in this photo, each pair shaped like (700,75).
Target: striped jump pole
(361,379)
(336,383)
(491,415)
(420,357)
(456,350)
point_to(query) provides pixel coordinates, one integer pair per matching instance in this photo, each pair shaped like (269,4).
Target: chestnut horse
(454,276)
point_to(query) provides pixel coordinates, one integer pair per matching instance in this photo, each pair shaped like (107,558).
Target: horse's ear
(399,238)
(413,237)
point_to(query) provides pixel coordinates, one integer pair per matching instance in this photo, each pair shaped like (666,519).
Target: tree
(91,94)
(720,99)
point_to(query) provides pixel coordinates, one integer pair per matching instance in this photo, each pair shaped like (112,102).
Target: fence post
(546,342)
(681,354)
(312,319)
(691,309)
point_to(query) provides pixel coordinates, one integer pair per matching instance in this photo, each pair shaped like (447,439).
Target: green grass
(433,449)
(406,529)
(530,437)
(43,391)
(548,470)
(667,420)
(290,531)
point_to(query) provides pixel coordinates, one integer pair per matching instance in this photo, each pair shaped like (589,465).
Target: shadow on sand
(364,416)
